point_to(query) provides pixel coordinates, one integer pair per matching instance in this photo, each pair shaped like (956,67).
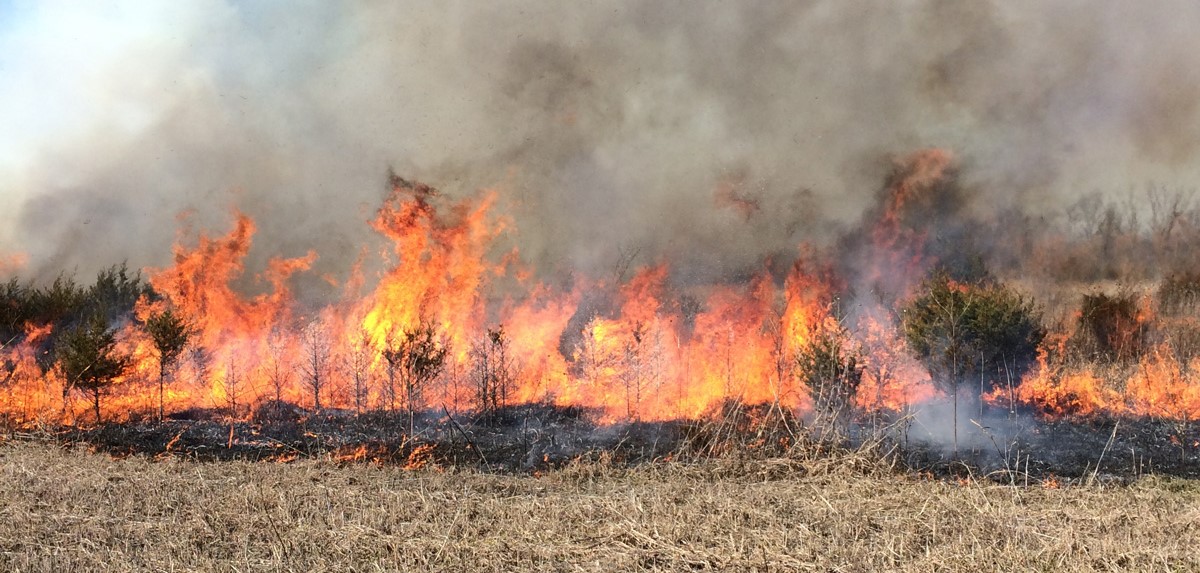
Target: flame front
(642,357)
(635,349)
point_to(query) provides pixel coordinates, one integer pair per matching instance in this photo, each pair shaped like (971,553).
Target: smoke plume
(710,136)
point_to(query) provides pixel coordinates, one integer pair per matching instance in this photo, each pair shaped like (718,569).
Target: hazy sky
(604,125)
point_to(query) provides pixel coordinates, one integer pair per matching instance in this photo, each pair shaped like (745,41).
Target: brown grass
(75,511)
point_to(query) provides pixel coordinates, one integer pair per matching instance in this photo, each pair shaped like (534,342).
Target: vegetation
(357,363)
(831,370)
(318,349)
(115,293)
(230,384)
(1115,324)
(417,355)
(89,360)
(74,511)
(1179,293)
(170,334)
(493,370)
(64,304)
(958,329)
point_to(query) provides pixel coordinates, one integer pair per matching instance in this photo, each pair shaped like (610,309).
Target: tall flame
(636,349)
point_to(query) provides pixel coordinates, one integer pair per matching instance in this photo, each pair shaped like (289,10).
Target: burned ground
(537,438)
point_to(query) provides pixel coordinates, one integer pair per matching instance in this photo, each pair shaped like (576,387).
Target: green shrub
(831,369)
(89,360)
(959,329)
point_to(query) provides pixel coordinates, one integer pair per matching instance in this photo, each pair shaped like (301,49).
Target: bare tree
(593,361)
(199,362)
(1172,225)
(278,366)
(391,358)
(317,352)
(358,361)
(492,370)
(641,366)
(626,255)
(231,385)
(418,356)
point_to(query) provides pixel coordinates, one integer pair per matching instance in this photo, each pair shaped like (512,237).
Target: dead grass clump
(1179,293)
(740,429)
(766,441)
(1177,325)
(1116,324)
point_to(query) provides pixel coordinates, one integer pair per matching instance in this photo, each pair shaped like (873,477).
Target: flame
(29,395)
(233,331)
(638,349)
(441,269)
(897,259)
(421,457)
(893,379)
(1160,386)
(11,263)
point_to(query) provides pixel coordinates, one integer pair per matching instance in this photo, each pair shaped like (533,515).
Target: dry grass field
(76,511)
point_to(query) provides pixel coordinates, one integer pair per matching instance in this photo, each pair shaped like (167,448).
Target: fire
(234,333)
(646,355)
(1158,386)
(441,269)
(731,353)
(28,396)
(897,258)
(894,380)
(641,349)
(11,263)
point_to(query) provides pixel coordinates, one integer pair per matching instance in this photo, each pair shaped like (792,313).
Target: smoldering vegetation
(535,439)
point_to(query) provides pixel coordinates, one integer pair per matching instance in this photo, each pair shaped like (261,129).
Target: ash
(998,446)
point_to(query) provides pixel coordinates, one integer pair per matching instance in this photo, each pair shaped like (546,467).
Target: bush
(958,329)
(89,359)
(831,371)
(65,305)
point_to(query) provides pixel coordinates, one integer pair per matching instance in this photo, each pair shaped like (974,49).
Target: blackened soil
(532,438)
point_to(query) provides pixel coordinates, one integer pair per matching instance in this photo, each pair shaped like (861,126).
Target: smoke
(710,136)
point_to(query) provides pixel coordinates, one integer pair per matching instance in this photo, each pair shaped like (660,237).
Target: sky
(605,127)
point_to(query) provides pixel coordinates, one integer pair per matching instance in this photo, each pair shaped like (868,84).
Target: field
(71,510)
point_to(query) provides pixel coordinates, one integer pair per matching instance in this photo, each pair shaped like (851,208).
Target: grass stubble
(71,510)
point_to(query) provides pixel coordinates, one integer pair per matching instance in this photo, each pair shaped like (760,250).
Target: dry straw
(68,510)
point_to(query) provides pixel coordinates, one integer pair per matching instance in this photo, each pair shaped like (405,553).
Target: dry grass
(74,511)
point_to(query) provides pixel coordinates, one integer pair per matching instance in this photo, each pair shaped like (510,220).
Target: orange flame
(650,351)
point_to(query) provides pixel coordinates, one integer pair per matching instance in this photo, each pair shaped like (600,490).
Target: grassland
(69,510)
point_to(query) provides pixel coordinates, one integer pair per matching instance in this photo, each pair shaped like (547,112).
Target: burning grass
(70,510)
(884,321)
(900,338)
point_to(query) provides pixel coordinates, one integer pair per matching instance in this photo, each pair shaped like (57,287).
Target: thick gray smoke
(709,135)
